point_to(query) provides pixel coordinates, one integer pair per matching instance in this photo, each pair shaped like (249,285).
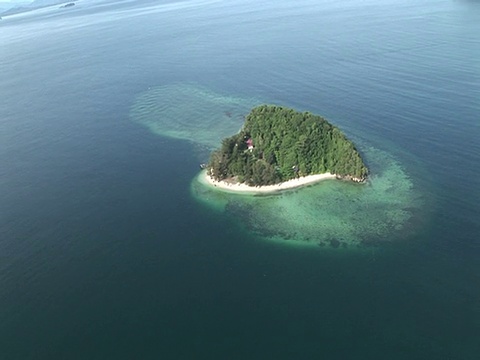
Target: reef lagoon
(333,213)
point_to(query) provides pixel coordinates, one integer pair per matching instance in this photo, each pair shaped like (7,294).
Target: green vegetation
(277,144)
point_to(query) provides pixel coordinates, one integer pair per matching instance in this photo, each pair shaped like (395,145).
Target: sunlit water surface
(111,246)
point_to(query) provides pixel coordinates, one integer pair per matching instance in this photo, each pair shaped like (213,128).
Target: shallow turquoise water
(190,112)
(333,213)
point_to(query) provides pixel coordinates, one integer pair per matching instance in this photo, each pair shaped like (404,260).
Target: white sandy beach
(290,184)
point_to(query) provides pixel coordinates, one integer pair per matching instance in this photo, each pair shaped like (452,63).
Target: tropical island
(67,5)
(279,148)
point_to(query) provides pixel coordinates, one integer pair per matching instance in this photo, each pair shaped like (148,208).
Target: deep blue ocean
(105,253)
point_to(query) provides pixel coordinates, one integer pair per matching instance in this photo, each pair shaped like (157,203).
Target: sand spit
(290,184)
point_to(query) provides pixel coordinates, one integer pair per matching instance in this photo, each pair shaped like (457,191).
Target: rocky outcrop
(352,178)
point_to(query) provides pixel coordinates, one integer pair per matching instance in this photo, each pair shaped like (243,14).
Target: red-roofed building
(250,144)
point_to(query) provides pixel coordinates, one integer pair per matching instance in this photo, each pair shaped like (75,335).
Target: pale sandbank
(290,184)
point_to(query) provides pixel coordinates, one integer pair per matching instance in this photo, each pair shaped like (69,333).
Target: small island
(67,5)
(280,148)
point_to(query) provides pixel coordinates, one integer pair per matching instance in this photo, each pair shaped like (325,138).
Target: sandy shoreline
(290,184)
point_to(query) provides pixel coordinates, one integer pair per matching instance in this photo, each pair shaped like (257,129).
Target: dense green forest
(278,144)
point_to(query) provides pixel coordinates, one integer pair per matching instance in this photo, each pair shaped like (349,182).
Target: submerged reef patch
(331,213)
(190,112)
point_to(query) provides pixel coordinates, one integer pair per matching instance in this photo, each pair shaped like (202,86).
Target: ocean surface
(111,247)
